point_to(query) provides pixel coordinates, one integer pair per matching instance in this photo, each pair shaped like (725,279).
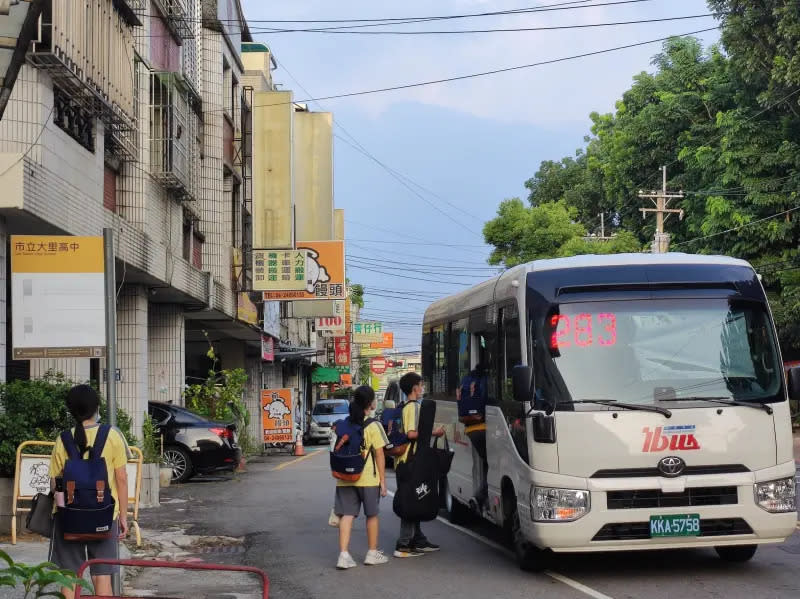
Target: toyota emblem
(671,466)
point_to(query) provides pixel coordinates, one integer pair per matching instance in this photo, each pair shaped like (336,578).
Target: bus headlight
(777,496)
(558,505)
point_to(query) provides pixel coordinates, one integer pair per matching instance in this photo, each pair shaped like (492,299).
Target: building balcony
(174,148)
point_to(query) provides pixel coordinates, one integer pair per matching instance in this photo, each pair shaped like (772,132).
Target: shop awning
(325,376)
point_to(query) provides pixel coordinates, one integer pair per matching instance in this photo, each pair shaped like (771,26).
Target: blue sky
(462,146)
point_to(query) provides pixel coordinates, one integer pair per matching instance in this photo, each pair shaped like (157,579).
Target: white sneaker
(375,557)
(345,562)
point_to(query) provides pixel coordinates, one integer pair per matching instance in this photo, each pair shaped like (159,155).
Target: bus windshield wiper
(757,405)
(615,404)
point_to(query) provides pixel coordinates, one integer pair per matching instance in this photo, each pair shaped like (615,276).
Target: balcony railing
(173,132)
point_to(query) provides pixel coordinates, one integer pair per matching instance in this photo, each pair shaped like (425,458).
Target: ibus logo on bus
(678,437)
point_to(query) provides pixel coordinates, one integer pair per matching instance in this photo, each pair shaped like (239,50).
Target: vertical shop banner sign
(276,415)
(58,297)
(342,351)
(267,348)
(246,310)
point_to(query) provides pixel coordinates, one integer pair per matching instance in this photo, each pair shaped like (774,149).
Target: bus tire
(457,512)
(736,553)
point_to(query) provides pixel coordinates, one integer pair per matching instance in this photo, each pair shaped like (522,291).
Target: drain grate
(225,550)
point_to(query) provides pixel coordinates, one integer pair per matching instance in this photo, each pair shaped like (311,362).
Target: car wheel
(529,557)
(736,553)
(179,460)
(457,512)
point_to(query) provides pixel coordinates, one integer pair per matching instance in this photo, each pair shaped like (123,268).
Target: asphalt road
(281,506)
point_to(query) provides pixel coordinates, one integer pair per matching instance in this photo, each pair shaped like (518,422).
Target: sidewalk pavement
(31,550)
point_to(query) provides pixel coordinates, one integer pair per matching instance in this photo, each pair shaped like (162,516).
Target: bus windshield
(644,351)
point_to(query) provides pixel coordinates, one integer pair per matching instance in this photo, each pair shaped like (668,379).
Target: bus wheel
(457,512)
(736,553)
(529,557)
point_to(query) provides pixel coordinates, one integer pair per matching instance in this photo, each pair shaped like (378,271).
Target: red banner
(341,347)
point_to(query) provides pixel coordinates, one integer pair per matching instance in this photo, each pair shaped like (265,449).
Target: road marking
(510,554)
(310,454)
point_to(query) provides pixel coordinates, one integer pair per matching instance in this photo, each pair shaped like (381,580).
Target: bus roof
(506,284)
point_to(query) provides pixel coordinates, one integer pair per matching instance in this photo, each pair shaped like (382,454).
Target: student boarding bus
(634,402)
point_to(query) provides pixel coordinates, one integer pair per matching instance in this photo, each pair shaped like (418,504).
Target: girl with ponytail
(368,489)
(83,404)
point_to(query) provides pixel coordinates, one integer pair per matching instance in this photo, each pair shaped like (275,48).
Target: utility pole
(602,236)
(661,202)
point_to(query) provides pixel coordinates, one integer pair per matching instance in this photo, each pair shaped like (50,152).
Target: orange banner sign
(276,415)
(387,343)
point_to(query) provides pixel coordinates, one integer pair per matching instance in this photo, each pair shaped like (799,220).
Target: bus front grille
(656,498)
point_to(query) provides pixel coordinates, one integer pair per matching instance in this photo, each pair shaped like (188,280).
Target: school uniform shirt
(115,453)
(374,440)
(410,423)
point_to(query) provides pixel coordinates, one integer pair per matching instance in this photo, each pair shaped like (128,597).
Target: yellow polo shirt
(115,453)
(410,423)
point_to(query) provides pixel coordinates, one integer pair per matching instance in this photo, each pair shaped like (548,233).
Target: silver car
(326,413)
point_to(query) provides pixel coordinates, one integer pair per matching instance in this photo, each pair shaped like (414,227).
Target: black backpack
(417,498)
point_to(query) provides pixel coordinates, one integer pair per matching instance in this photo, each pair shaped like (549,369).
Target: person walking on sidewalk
(412,541)
(84,403)
(368,489)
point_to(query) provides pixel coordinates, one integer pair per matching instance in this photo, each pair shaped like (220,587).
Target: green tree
(520,233)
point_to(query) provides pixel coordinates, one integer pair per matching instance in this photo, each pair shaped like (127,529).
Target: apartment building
(134,115)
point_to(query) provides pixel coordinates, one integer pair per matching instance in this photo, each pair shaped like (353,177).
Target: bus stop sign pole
(111,325)
(111,346)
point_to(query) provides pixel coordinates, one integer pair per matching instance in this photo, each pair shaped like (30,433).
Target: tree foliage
(726,122)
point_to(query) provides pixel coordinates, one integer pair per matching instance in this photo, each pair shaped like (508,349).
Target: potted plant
(152,450)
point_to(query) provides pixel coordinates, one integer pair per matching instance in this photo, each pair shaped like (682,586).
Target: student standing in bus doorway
(474,387)
(412,542)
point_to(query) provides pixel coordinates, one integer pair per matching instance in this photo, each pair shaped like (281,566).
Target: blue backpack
(88,512)
(349,454)
(392,422)
(472,404)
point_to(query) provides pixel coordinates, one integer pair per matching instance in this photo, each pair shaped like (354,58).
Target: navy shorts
(70,555)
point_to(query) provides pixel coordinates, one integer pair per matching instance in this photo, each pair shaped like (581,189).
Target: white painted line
(576,585)
(510,554)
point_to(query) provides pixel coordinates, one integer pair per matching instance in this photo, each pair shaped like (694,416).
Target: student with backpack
(87,472)
(471,397)
(358,464)
(412,542)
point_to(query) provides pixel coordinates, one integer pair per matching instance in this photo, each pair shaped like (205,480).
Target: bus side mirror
(793,380)
(521,381)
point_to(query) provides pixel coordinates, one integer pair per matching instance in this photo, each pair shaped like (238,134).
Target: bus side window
(458,353)
(511,355)
(484,349)
(511,349)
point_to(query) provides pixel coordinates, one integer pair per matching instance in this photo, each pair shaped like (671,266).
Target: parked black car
(192,443)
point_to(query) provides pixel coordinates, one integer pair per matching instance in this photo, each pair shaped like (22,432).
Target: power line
(744,122)
(406,254)
(438,265)
(755,222)
(491,72)
(360,148)
(391,274)
(408,187)
(450,245)
(362,264)
(560,6)
(340,31)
